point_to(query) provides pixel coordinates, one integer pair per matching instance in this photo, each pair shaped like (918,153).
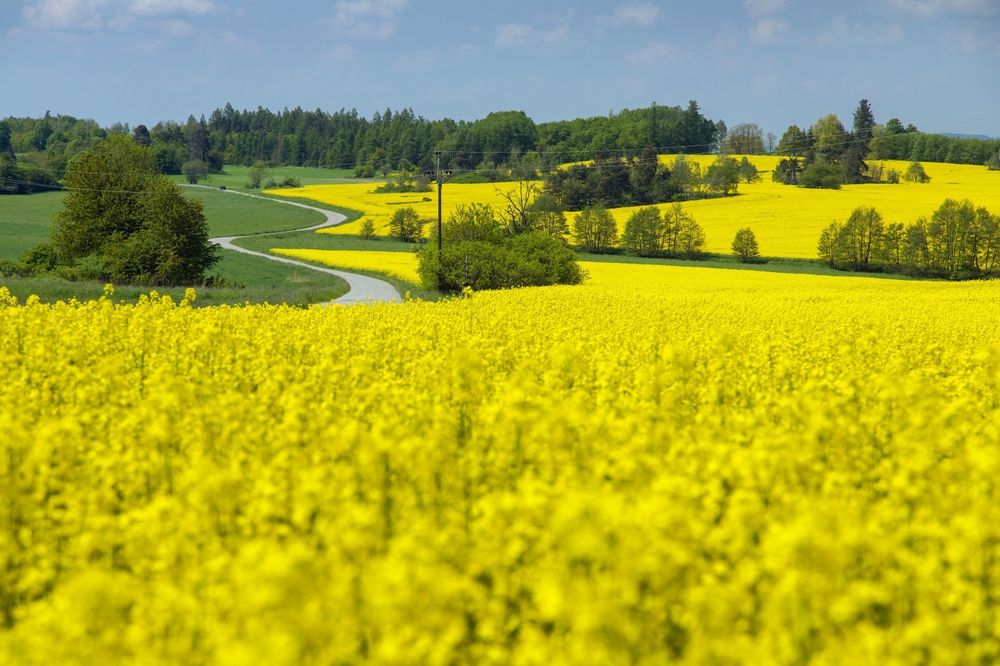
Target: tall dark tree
(794,142)
(141,135)
(5,145)
(196,138)
(864,122)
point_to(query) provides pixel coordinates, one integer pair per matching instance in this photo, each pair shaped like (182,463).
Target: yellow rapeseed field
(402,265)
(379,207)
(715,467)
(786,220)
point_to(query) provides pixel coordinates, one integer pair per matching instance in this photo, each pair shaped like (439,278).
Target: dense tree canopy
(130,223)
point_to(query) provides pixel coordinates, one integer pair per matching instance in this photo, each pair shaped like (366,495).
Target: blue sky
(935,63)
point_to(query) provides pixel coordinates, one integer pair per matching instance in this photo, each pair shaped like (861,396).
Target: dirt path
(363,289)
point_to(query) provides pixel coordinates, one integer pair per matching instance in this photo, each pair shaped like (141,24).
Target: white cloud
(341,52)
(935,7)
(516,35)
(164,7)
(234,42)
(368,19)
(764,6)
(966,40)
(64,14)
(635,14)
(769,31)
(419,59)
(655,52)
(843,31)
(115,15)
(176,28)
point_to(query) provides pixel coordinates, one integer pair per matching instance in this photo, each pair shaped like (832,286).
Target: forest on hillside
(34,152)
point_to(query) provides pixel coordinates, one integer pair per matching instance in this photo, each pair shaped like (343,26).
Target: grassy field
(235,177)
(234,215)
(25,221)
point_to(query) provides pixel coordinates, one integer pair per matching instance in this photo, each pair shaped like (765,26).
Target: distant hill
(969,136)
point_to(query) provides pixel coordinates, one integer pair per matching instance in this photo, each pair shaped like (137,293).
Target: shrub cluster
(479,251)
(959,241)
(670,233)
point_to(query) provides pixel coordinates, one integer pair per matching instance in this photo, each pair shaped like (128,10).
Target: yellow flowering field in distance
(402,265)
(712,468)
(380,207)
(786,220)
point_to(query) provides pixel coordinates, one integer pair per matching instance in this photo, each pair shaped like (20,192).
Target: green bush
(822,174)
(531,259)
(477,252)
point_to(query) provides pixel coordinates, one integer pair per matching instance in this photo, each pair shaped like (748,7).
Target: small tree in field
(595,229)
(405,225)
(194,171)
(367,230)
(256,175)
(745,246)
(915,174)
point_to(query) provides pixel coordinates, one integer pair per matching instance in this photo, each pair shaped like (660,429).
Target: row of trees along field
(385,142)
(959,241)
(636,181)
(832,155)
(480,149)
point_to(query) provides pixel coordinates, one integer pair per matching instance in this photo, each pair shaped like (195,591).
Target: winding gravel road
(363,289)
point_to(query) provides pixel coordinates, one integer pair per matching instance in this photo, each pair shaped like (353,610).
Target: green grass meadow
(236,177)
(26,221)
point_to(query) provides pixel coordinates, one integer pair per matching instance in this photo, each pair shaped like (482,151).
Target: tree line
(387,141)
(959,241)
(828,155)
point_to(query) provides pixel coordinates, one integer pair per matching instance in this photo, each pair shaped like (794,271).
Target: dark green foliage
(993,163)
(744,139)
(194,170)
(545,214)
(853,163)
(822,174)
(612,183)
(169,159)
(479,252)
(794,142)
(745,246)
(671,233)
(787,171)
(864,122)
(122,216)
(141,136)
(959,241)
(915,173)
(722,177)
(367,230)
(405,225)
(595,229)
(747,171)
(40,259)
(405,180)
(256,176)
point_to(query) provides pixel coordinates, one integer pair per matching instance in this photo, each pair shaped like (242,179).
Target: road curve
(362,289)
